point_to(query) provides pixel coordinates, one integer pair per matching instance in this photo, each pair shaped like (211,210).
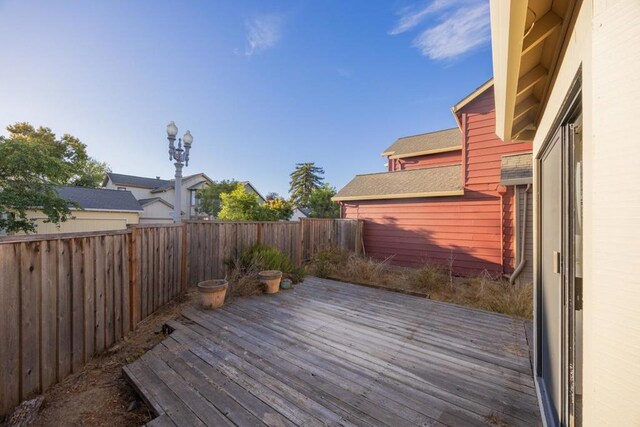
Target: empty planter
(212,293)
(271,280)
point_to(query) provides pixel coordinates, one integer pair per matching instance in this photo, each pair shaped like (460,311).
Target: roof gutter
(426,152)
(400,196)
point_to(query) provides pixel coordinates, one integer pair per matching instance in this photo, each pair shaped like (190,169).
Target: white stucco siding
(612,301)
(606,42)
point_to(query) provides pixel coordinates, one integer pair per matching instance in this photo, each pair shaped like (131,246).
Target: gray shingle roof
(425,143)
(144,202)
(428,182)
(99,198)
(516,169)
(136,181)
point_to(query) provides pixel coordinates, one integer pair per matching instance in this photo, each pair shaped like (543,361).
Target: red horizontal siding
(438,159)
(475,231)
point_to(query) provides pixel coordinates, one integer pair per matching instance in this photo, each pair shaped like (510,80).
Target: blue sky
(260,84)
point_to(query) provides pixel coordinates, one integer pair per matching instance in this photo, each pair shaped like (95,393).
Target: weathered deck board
(330,353)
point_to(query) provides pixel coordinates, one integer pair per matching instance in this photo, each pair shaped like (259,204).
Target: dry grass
(243,279)
(434,281)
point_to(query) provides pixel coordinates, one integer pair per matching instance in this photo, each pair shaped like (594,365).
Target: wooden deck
(330,353)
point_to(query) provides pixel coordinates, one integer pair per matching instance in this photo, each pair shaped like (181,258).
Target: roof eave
(426,152)
(399,196)
(517,181)
(508,20)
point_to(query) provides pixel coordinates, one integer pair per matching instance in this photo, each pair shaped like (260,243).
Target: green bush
(258,257)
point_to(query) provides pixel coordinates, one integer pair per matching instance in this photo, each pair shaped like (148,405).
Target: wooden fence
(211,243)
(65,298)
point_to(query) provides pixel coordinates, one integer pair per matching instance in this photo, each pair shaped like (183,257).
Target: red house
(457,196)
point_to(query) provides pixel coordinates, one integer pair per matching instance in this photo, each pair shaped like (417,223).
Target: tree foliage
(304,179)
(239,205)
(276,209)
(321,205)
(209,196)
(34,161)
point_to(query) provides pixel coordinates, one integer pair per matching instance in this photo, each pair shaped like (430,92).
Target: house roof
(516,169)
(145,202)
(473,95)
(429,182)
(100,198)
(426,143)
(136,181)
(169,184)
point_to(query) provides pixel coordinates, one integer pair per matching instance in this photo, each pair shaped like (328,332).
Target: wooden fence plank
(100,251)
(127,253)
(77,304)
(30,273)
(89,254)
(10,330)
(48,314)
(109,293)
(118,272)
(64,283)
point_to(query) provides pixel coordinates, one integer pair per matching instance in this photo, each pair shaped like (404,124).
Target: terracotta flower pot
(271,280)
(212,293)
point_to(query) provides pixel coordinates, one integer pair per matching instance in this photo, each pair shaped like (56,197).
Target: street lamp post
(181,157)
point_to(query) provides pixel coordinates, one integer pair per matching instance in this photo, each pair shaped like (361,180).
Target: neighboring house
(100,210)
(455,196)
(566,76)
(156,196)
(300,213)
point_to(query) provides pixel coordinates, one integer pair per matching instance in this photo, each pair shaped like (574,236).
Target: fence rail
(67,297)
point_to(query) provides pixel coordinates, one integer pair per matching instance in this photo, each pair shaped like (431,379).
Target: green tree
(304,179)
(238,205)
(321,205)
(32,162)
(275,209)
(209,196)
(92,175)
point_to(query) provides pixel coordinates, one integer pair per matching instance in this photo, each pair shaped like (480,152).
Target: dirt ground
(99,395)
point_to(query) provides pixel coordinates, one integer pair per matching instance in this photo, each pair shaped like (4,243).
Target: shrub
(257,258)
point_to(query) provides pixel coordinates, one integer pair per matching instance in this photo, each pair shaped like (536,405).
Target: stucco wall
(605,41)
(85,221)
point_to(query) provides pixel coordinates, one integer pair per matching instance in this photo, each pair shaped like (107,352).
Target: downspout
(523,239)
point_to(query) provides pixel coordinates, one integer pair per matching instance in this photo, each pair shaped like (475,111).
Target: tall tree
(321,205)
(238,205)
(32,162)
(304,179)
(209,196)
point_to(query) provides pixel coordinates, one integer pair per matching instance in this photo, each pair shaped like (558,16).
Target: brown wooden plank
(65,317)
(48,314)
(89,260)
(100,299)
(109,294)
(118,276)
(161,265)
(30,332)
(77,304)
(10,268)
(127,253)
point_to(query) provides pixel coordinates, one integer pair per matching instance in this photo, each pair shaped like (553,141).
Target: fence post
(301,251)
(134,280)
(184,259)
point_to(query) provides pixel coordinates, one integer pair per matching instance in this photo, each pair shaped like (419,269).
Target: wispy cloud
(460,26)
(263,33)
(411,16)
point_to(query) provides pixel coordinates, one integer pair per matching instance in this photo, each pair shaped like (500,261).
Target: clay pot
(212,293)
(271,280)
